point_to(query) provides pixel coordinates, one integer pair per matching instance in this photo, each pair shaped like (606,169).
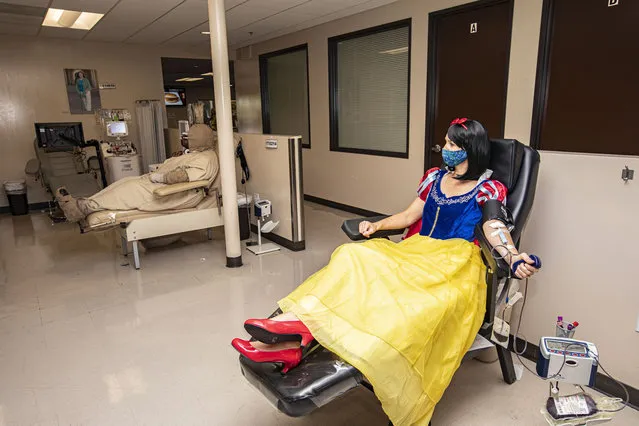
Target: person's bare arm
(508,251)
(397,221)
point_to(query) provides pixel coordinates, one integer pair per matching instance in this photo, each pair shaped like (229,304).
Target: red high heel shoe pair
(273,332)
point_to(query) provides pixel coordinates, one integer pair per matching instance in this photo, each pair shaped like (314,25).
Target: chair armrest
(351,228)
(179,187)
(32,167)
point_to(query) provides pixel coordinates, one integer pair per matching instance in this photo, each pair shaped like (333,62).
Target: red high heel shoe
(289,357)
(271,332)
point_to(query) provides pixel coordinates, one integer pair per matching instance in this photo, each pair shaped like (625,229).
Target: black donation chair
(322,376)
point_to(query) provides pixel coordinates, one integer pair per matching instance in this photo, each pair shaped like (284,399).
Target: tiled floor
(87,340)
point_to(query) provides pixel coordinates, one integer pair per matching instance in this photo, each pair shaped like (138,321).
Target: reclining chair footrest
(320,378)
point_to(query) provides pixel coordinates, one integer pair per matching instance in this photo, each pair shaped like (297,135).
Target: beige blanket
(136,193)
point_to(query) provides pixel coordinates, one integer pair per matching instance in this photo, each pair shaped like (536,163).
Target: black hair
(474,140)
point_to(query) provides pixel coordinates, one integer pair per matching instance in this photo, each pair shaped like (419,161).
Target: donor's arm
(497,224)
(397,221)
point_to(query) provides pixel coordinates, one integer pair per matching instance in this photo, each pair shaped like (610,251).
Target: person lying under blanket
(404,314)
(199,162)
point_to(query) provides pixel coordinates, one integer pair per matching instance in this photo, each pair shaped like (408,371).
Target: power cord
(627,401)
(508,258)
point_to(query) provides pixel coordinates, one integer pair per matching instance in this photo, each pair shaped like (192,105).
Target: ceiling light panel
(71,19)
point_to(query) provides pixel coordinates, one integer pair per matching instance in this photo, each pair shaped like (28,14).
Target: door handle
(436,148)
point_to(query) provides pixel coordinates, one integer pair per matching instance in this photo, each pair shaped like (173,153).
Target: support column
(223,116)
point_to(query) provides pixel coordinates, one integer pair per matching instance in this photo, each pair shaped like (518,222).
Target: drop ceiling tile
(274,23)
(34,3)
(255,10)
(279,4)
(193,36)
(128,17)
(306,15)
(62,33)
(184,17)
(233,3)
(95,6)
(13,19)
(19,29)
(243,15)
(330,6)
(181,21)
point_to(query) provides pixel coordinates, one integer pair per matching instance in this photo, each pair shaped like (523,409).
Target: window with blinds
(284,86)
(369,90)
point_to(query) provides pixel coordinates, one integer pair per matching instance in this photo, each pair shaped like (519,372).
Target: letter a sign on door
(473,27)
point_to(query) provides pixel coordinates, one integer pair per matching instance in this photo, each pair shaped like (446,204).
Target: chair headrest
(506,157)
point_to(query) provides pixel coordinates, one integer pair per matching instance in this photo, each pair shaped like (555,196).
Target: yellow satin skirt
(404,314)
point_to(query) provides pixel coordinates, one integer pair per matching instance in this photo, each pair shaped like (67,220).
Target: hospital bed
(277,177)
(322,376)
(134,226)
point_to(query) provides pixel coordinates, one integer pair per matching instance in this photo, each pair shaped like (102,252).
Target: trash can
(16,191)
(243,210)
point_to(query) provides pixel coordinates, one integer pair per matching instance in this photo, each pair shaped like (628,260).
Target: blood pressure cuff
(495,210)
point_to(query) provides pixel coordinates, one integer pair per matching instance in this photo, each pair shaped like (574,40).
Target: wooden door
(587,84)
(469,51)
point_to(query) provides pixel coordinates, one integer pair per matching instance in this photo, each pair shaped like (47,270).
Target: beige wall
(32,89)
(581,223)
(343,177)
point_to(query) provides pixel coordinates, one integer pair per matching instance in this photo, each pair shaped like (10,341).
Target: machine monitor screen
(174,96)
(59,136)
(563,346)
(117,129)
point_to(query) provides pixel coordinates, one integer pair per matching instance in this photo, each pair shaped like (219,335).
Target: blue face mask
(454,158)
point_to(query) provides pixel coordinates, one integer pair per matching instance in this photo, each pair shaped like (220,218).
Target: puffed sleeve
(491,190)
(426,183)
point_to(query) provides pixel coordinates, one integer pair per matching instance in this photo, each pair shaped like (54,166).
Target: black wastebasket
(245,230)
(16,191)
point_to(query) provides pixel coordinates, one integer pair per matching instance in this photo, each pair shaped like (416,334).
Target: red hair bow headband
(459,121)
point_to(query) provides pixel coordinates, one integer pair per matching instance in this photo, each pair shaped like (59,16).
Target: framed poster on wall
(82,90)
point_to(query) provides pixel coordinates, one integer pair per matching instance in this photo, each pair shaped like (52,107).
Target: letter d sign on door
(613,3)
